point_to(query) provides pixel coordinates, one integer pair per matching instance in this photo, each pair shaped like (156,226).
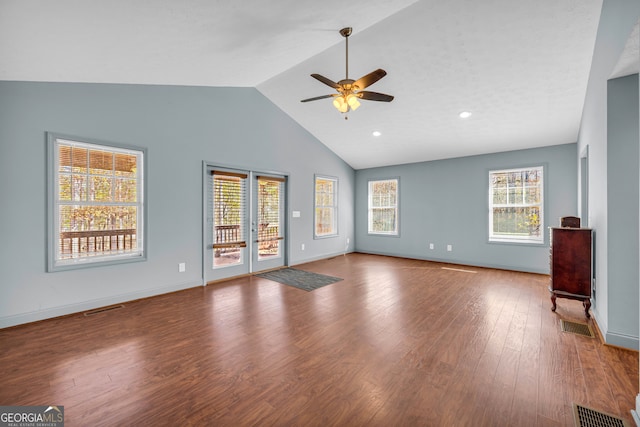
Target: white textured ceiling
(521,67)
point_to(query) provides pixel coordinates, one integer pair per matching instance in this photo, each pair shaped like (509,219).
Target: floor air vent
(577,328)
(587,417)
(103,309)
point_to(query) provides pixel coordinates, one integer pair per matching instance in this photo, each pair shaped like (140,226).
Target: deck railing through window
(268,239)
(96,242)
(228,239)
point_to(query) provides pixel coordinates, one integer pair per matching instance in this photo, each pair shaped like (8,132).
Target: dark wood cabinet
(570,265)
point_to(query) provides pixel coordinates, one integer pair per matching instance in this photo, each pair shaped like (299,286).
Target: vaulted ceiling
(520,67)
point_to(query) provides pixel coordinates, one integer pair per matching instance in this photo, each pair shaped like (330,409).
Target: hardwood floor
(397,343)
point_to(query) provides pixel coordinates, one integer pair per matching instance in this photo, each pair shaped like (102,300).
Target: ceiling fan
(350,91)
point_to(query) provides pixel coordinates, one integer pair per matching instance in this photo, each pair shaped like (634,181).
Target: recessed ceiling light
(376,133)
(465,115)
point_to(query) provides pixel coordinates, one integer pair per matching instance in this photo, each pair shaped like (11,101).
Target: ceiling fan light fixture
(353,102)
(341,104)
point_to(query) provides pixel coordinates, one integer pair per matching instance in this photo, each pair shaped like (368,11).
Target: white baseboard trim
(49,313)
(621,340)
(544,271)
(318,258)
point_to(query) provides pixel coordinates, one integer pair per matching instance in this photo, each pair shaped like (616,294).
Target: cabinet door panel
(571,261)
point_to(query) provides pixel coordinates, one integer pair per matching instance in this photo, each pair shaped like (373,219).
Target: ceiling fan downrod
(346,32)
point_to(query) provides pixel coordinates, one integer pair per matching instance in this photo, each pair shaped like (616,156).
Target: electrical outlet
(302,247)
(431,246)
(182,267)
(449,248)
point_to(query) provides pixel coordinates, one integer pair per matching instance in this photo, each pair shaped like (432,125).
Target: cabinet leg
(553,301)
(587,305)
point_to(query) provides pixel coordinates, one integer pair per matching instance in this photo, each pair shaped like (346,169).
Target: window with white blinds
(96,203)
(228,195)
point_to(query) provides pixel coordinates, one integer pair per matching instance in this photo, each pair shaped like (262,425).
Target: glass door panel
(268,224)
(227,219)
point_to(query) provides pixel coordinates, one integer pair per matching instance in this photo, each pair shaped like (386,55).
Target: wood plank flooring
(398,342)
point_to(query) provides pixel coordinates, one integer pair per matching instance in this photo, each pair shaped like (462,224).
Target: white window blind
(270,212)
(229,210)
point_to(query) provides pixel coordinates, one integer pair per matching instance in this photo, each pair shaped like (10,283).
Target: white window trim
(53,230)
(394,233)
(539,240)
(334,233)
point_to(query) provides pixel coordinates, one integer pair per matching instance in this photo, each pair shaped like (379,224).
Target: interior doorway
(584,187)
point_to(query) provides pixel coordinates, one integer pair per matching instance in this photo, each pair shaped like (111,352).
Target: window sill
(516,242)
(79,263)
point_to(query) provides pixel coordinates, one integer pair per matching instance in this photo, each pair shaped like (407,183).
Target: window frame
(279,182)
(518,240)
(54,263)
(334,206)
(370,231)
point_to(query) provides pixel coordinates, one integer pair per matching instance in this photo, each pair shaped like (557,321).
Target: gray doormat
(300,279)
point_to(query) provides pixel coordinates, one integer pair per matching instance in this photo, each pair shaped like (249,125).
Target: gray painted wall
(181,127)
(446,202)
(617,19)
(623,151)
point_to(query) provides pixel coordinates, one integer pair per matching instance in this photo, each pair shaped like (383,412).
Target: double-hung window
(516,205)
(95,202)
(326,207)
(383,207)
